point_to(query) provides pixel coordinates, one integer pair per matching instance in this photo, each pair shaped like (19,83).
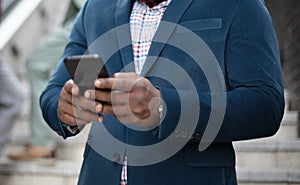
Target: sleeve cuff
(66,130)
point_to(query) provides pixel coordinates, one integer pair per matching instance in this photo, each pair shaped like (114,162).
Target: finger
(107,109)
(71,88)
(68,86)
(65,93)
(122,83)
(104,83)
(99,95)
(86,115)
(97,118)
(65,96)
(120,98)
(67,119)
(81,114)
(84,103)
(72,121)
(81,102)
(126,75)
(66,115)
(75,90)
(117,110)
(140,112)
(113,97)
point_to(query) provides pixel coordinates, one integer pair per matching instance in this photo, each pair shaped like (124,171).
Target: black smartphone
(85,69)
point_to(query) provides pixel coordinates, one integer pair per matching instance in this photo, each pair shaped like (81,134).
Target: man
(11,99)
(143,109)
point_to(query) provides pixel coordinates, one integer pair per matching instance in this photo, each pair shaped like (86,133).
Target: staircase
(268,161)
(274,160)
(62,171)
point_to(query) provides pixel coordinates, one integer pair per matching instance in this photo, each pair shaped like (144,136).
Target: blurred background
(26,30)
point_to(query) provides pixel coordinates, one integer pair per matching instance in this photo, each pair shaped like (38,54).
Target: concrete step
(289,127)
(66,173)
(257,154)
(268,154)
(39,172)
(268,177)
(66,151)
(288,130)
(70,149)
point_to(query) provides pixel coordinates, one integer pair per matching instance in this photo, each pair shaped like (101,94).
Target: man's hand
(132,99)
(74,109)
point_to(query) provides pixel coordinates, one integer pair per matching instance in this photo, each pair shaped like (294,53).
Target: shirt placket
(143,25)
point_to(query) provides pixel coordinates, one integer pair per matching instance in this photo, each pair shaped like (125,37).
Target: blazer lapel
(122,17)
(172,15)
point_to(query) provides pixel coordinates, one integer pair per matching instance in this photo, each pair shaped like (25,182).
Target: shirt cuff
(72,130)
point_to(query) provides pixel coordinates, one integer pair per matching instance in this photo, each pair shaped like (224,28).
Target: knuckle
(140,112)
(106,83)
(86,104)
(139,98)
(121,84)
(137,111)
(78,113)
(68,84)
(62,95)
(59,114)
(142,84)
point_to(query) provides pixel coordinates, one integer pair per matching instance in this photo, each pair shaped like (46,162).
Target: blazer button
(177,134)
(116,157)
(184,135)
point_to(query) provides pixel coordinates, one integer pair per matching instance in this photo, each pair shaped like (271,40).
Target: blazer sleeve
(76,45)
(255,95)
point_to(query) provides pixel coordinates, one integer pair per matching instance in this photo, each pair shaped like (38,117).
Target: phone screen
(85,69)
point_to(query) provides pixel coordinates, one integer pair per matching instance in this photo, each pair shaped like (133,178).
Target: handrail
(15,19)
(7,6)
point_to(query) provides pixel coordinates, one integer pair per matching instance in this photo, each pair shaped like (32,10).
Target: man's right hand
(74,109)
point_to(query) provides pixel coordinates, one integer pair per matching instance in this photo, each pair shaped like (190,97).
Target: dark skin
(132,99)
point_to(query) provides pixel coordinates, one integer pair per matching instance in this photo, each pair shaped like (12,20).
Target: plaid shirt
(144,22)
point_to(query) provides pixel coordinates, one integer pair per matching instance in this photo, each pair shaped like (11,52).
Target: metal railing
(7,6)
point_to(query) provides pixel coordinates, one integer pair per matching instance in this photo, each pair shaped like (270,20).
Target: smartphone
(85,69)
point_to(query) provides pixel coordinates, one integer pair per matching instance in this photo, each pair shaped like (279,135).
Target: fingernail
(99,108)
(97,83)
(73,90)
(86,94)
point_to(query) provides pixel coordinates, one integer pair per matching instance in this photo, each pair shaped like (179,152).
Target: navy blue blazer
(241,36)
